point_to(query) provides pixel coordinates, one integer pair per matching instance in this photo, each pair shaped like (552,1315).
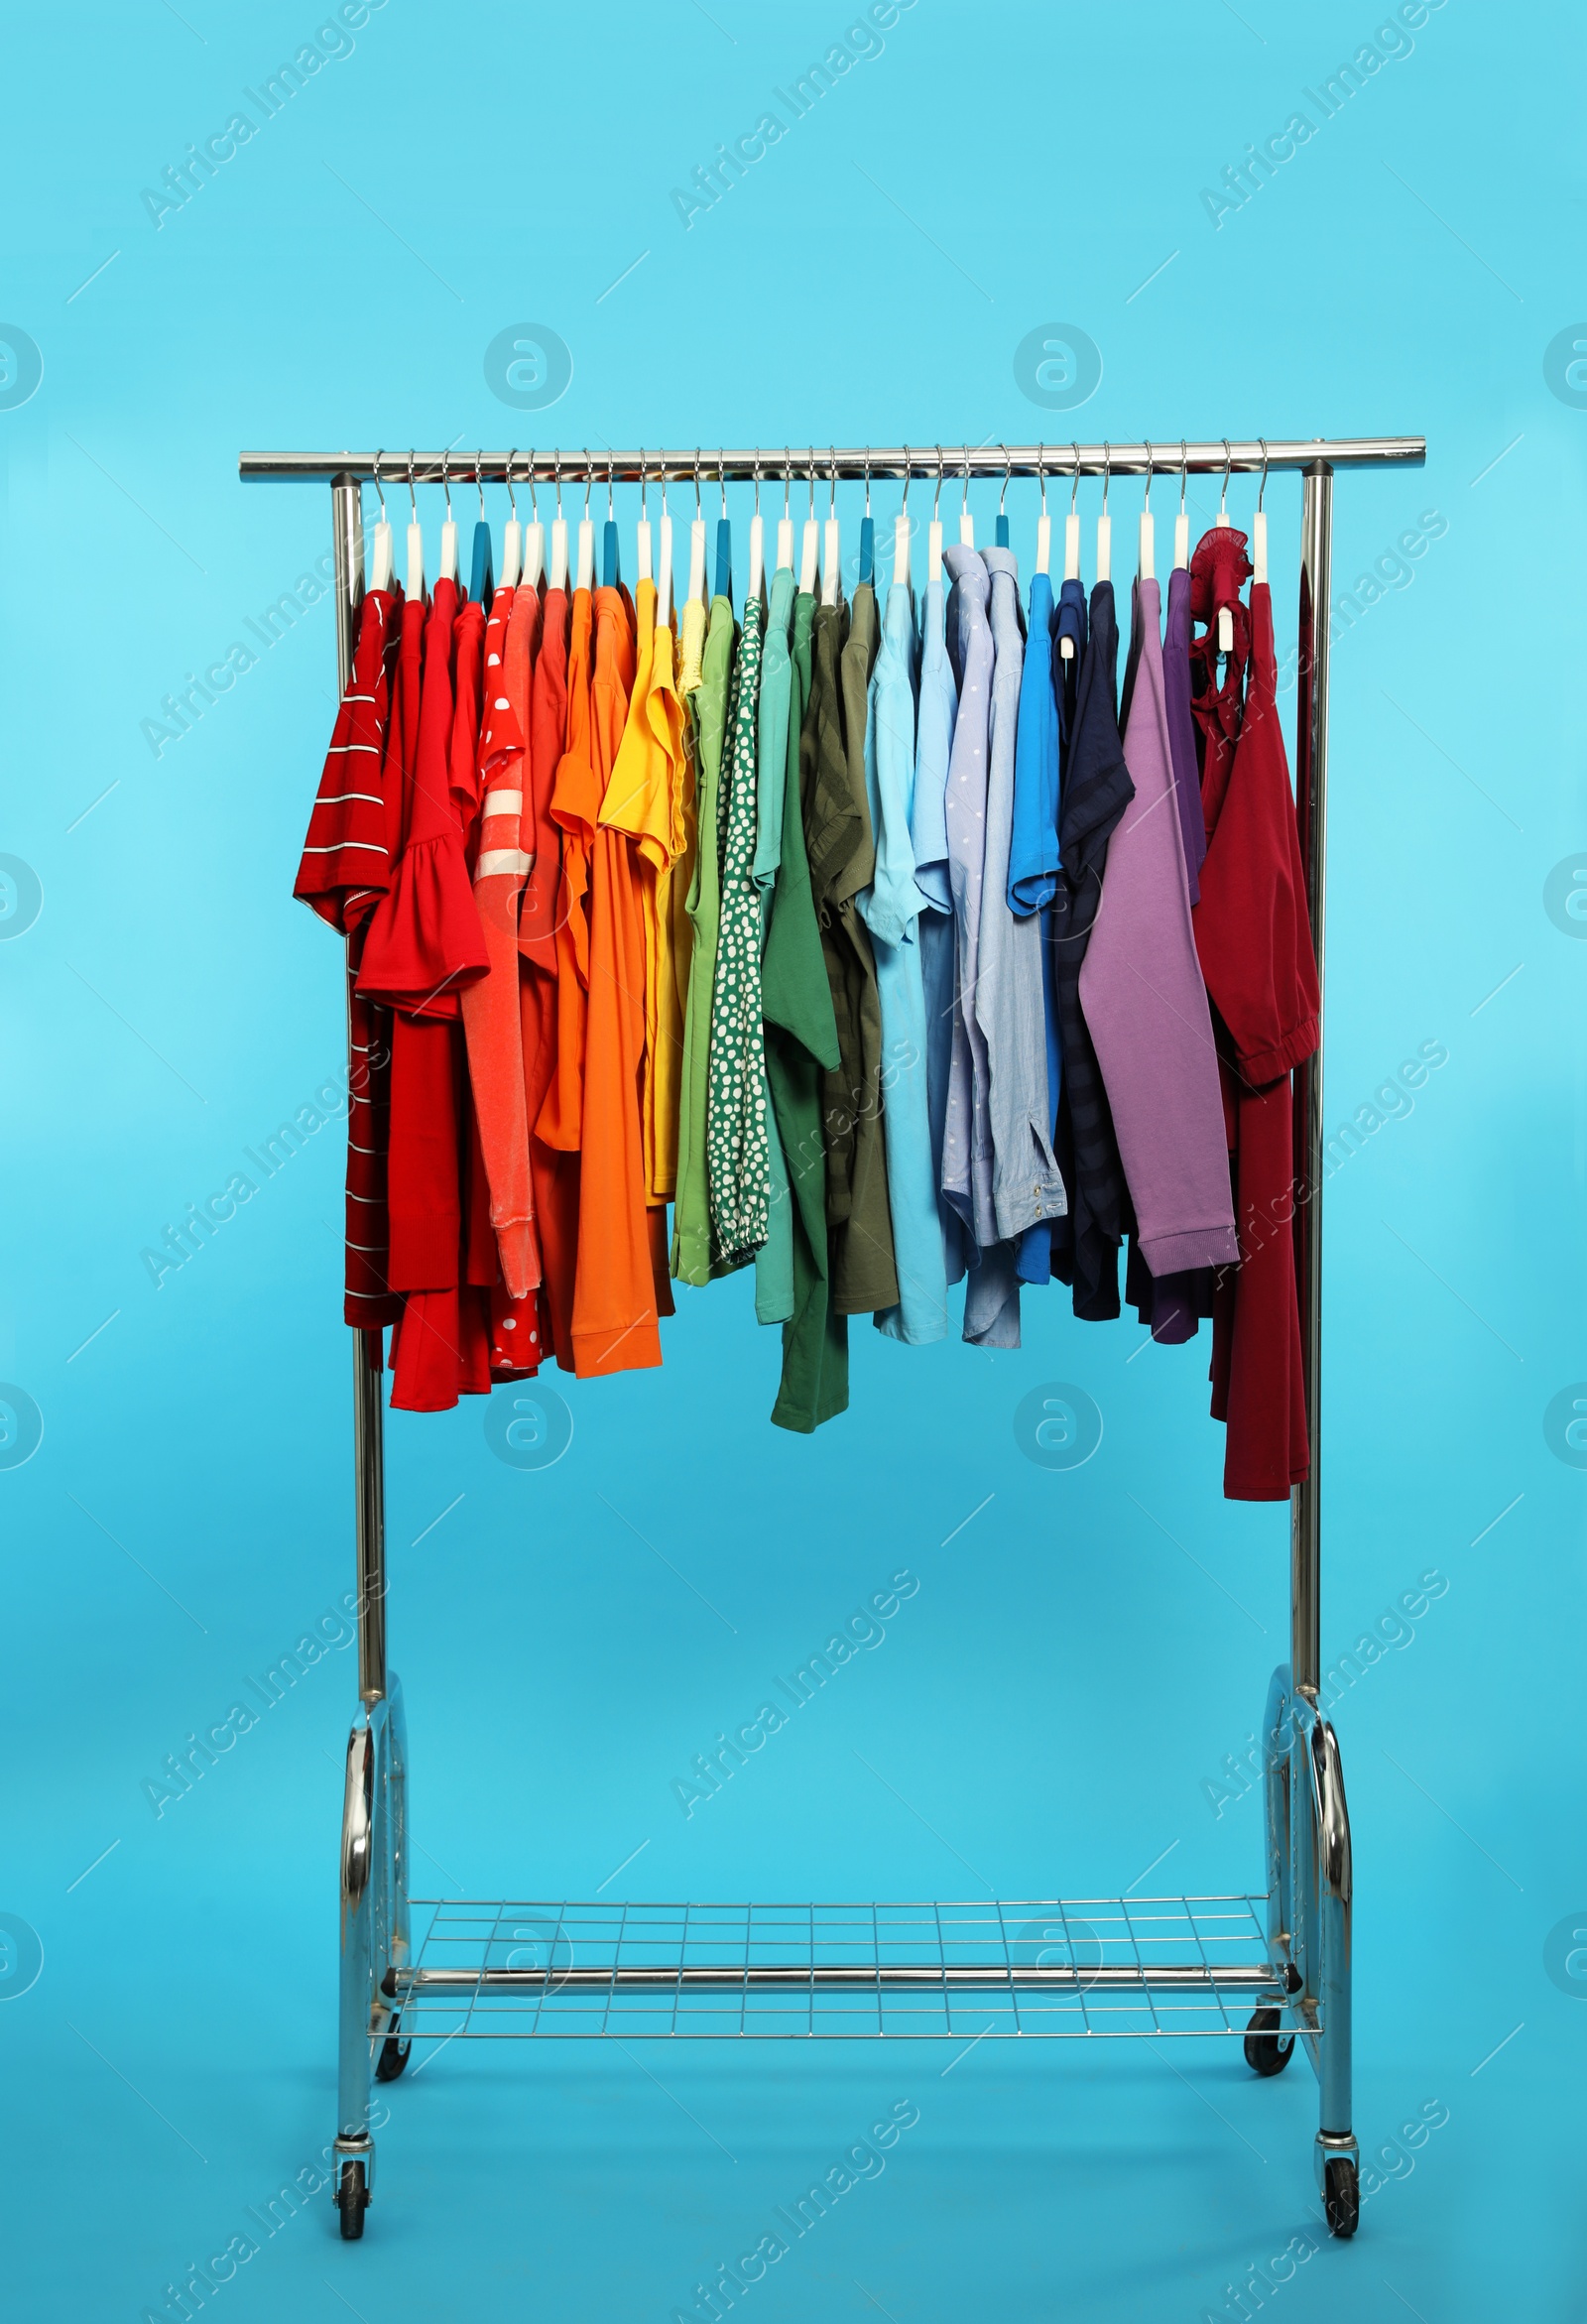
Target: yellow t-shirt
(645,799)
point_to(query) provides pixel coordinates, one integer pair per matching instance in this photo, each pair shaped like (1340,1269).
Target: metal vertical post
(369,1475)
(1311,807)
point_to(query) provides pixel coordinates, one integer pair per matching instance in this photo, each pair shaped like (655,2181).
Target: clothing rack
(852,464)
(1178,1965)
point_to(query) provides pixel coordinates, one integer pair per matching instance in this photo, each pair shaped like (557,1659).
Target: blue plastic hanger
(1003,517)
(724,547)
(609,537)
(481,583)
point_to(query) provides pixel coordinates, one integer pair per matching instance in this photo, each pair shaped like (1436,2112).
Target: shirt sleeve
(345,867)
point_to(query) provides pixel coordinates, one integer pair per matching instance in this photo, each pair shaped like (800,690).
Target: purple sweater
(1146,1007)
(1181,726)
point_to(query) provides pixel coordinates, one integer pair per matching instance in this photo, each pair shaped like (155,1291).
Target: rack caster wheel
(393,2056)
(352,2200)
(1341,2195)
(1266,2050)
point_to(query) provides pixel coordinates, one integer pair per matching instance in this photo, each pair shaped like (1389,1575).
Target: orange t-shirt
(614,1296)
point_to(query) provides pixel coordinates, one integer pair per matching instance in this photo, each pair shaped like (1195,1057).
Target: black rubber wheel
(352,2200)
(1266,2050)
(393,2056)
(1341,2195)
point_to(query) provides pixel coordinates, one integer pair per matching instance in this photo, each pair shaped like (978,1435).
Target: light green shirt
(692,1218)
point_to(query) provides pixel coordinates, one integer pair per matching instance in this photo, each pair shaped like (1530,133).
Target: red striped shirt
(345,865)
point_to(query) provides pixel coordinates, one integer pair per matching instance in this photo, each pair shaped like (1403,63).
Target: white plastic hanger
(811,542)
(933,537)
(831,577)
(380,570)
(1259,528)
(1071,544)
(1145,562)
(533,537)
(558,573)
(416,542)
(1105,522)
(966,521)
(586,541)
(901,532)
(663,573)
(512,534)
(449,531)
(643,541)
(785,523)
(757,542)
(1225,614)
(1181,523)
(1044,522)
(696,541)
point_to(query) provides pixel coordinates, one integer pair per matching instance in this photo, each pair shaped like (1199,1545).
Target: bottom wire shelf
(1085,1966)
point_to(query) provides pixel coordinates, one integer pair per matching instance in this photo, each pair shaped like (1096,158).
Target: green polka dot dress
(737,1153)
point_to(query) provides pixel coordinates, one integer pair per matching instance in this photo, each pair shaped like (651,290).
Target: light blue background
(1082,1654)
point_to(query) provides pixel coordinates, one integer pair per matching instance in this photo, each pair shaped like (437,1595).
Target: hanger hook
(756,484)
(589,470)
(867,479)
(1228,462)
(512,496)
(446,481)
(700,510)
(1008,469)
(412,496)
(534,504)
(937,498)
(1041,474)
(611,505)
(905,507)
(556,469)
(479,480)
(379,495)
(812,518)
(787,486)
(1262,486)
(1184,473)
(831,507)
(644,490)
(966,501)
(721,486)
(1106,467)
(1146,503)
(1075,478)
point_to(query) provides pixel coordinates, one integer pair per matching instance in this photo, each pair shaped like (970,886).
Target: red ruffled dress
(1254,940)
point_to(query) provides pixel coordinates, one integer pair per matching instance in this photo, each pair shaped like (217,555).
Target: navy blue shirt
(1096,790)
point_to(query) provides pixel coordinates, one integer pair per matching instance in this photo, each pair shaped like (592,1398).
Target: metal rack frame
(1079,1967)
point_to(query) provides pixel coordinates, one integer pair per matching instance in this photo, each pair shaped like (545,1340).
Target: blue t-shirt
(1034,845)
(891,908)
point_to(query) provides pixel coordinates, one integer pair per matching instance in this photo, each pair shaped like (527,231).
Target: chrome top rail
(1167,456)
